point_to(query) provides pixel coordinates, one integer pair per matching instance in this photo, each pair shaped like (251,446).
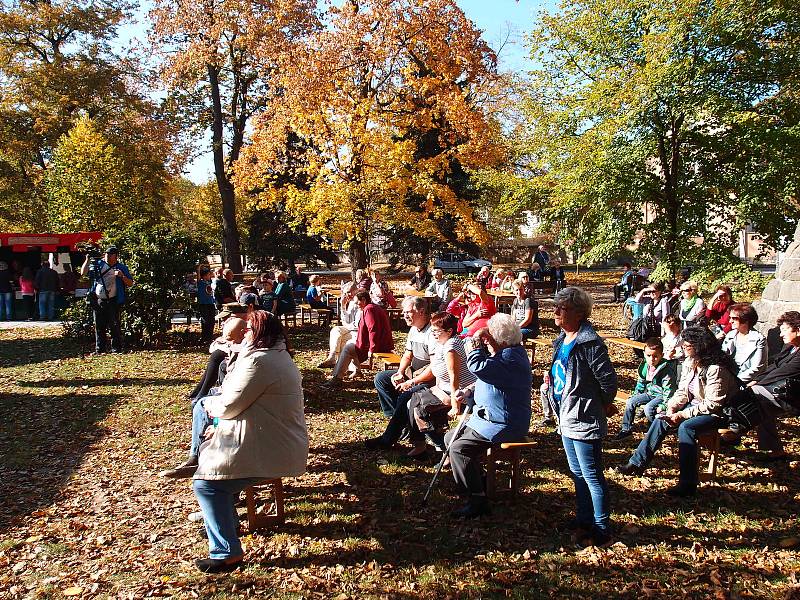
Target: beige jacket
(262,429)
(717,384)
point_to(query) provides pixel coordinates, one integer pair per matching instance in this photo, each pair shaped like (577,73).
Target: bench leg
(515,471)
(491,474)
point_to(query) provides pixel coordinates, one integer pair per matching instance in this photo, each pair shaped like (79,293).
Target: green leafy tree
(674,122)
(87,184)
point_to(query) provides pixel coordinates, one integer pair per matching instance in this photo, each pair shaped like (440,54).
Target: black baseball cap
(112,250)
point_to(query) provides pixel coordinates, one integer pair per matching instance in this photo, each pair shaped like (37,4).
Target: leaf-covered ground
(83,514)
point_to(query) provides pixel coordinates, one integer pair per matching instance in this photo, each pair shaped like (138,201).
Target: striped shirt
(439,364)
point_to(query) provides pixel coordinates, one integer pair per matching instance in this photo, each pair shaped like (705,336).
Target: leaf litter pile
(83,514)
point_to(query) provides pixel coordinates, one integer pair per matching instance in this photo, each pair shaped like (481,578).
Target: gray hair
(439,271)
(505,330)
(580,299)
(417,303)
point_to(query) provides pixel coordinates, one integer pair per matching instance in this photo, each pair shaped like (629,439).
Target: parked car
(458,262)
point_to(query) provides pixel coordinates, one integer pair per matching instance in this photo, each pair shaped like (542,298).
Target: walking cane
(461,424)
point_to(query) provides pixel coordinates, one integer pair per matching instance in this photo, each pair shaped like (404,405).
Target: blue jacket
(101,264)
(502,411)
(591,383)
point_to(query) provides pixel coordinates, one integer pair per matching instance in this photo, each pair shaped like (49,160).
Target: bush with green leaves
(159,258)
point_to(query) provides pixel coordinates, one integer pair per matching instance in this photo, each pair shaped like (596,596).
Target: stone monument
(780,295)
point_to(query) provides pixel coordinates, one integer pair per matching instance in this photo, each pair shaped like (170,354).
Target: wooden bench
(626,342)
(541,288)
(511,453)
(264,514)
(387,360)
(395,317)
(324,315)
(708,441)
(292,316)
(531,343)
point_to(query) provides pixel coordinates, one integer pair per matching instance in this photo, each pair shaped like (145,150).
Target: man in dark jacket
(47,285)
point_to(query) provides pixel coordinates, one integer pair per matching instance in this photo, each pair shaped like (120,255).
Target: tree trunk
(230,232)
(358,256)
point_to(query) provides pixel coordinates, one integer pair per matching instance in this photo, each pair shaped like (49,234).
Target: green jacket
(663,384)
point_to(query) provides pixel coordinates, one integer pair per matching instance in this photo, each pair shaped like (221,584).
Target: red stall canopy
(48,242)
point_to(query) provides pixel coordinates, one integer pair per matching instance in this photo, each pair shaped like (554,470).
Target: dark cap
(112,250)
(230,309)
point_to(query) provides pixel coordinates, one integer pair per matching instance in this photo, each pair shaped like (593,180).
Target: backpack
(643,328)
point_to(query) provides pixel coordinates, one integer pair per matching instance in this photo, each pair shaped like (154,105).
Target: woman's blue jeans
(585,460)
(688,431)
(217,500)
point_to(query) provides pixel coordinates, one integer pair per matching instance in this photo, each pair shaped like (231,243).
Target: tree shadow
(42,440)
(16,352)
(136,381)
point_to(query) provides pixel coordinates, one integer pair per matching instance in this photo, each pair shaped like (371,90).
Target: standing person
(109,283)
(374,335)
(260,433)
(27,289)
(421,279)
(542,258)
(223,290)
(502,411)
(6,292)
(47,286)
(205,304)
(582,390)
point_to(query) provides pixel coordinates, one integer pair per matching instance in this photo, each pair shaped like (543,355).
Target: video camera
(91,249)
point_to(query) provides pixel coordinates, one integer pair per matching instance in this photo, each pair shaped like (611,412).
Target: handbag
(427,409)
(643,328)
(743,412)
(787,393)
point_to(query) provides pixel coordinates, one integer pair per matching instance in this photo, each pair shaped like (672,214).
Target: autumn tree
(220,58)
(684,108)
(391,99)
(56,65)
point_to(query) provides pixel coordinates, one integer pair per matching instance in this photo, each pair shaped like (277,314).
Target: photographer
(109,278)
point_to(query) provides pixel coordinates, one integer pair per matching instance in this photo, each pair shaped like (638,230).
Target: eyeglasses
(436,331)
(562,308)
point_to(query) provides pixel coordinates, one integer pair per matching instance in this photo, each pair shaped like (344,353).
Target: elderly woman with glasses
(502,409)
(580,386)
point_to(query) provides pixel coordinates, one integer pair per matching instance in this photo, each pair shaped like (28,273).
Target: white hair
(580,299)
(438,271)
(505,330)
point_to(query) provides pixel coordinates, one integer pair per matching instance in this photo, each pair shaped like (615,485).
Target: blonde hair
(313,279)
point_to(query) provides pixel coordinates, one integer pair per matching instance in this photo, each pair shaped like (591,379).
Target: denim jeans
(688,431)
(216,499)
(47,305)
(585,460)
(6,305)
(389,396)
(635,402)
(200,422)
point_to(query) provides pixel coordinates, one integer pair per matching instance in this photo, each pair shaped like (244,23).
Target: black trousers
(106,317)
(211,375)
(208,312)
(465,460)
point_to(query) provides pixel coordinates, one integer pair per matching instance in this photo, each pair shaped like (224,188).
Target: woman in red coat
(374,335)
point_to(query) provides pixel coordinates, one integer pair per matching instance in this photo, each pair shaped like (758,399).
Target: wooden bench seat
(387,360)
(324,315)
(509,452)
(264,514)
(626,342)
(531,343)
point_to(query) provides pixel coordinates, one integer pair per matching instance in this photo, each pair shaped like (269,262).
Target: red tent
(47,242)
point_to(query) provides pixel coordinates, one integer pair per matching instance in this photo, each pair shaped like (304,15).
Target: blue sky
(503,22)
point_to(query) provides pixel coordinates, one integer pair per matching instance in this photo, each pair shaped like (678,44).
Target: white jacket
(751,358)
(262,429)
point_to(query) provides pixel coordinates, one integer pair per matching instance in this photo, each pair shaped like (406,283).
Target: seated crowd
(469,360)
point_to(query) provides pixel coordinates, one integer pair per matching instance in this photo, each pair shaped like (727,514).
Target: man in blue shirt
(109,279)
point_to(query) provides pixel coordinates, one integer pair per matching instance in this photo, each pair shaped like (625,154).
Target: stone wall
(781,294)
